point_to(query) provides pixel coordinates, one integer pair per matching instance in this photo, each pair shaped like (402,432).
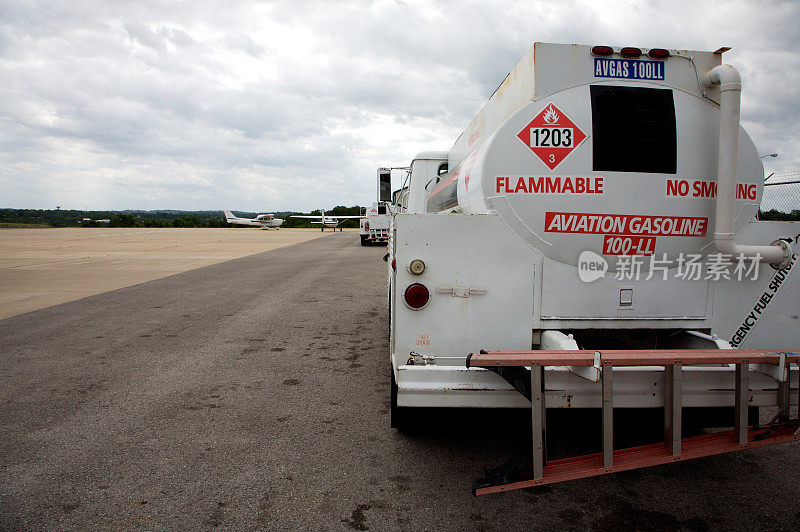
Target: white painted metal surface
(480,252)
(424,167)
(515,216)
(503,155)
(375,226)
(438,386)
(477,298)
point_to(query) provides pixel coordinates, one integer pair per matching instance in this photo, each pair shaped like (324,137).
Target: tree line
(774,214)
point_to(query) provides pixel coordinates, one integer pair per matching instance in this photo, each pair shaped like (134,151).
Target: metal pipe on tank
(778,253)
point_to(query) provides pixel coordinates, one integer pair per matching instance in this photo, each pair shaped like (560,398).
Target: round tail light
(630,52)
(602,50)
(658,53)
(416,295)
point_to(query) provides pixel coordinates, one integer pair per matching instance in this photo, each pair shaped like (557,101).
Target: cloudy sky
(268,106)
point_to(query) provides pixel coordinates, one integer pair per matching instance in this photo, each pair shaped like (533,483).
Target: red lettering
(535,184)
(628,245)
(702,223)
(672,187)
(705,189)
(677,187)
(625,224)
(708,189)
(552,185)
(745,191)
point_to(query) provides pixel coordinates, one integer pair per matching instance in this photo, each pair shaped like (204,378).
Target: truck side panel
(479,295)
(764,313)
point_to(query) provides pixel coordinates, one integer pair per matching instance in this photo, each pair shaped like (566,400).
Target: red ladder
(674,448)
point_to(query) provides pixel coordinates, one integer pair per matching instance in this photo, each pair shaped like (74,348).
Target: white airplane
(264,221)
(329,220)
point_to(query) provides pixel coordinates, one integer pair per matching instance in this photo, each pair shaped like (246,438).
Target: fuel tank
(609,154)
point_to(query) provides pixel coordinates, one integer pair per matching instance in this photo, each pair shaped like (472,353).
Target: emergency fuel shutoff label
(760,307)
(551,136)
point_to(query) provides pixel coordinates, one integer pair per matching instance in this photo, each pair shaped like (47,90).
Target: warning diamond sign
(551,136)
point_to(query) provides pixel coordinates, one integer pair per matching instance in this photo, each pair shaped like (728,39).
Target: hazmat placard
(551,135)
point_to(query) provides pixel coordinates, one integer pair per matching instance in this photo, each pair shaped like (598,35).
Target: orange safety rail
(628,357)
(540,471)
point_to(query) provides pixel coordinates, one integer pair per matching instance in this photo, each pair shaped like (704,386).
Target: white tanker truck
(598,213)
(374,227)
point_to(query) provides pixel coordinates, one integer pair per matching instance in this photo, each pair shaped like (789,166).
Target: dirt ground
(44,267)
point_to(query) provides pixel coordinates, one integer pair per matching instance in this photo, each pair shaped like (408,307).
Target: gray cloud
(292,105)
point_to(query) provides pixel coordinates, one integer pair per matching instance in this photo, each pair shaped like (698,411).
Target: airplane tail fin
(228,216)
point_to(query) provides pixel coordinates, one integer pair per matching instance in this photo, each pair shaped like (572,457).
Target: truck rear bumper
(378,235)
(634,387)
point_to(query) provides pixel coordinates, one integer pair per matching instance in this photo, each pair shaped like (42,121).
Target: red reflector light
(658,53)
(366,226)
(630,52)
(602,50)
(416,295)
(394,264)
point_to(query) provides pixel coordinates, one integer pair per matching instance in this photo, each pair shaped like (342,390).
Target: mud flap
(514,470)
(519,466)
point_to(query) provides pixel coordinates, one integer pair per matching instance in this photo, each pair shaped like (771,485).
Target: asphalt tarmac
(254,394)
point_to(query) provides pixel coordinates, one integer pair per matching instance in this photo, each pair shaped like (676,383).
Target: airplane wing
(327,217)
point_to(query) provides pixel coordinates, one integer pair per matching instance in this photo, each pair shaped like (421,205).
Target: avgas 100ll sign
(628,69)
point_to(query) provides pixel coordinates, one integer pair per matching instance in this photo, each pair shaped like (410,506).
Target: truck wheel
(363,240)
(399,417)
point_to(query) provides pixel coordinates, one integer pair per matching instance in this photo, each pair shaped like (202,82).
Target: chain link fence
(781,199)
